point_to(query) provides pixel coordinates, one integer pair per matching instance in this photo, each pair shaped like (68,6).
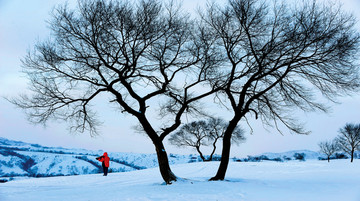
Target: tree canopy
(348,139)
(197,134)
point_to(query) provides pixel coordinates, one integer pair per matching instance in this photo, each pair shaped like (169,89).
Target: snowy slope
(36,163)
(23,146)
(24,159)
(312,180)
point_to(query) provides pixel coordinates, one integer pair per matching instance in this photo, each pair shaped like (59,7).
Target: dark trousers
(105,169)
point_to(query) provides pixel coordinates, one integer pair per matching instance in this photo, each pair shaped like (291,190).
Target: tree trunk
(214,148)
(328,159)
(163,161)
(200,153)
(225,155)
(352,155)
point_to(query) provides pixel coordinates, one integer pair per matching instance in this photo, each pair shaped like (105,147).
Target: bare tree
(194,134)
(201,133)
(328,148)
(349,139)
(277,57)
(138,53)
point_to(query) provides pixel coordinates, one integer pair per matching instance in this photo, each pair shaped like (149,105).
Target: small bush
(286,158)
(216,158)
(193,159)
(237,159)
(256,158)
(299,156)
(278,159)
(341,156)
(3,180)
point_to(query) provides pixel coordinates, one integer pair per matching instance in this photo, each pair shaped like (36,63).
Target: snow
(252,181)
(9,166)
(24,159)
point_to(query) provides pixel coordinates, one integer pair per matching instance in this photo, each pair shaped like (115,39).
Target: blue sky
(22,23)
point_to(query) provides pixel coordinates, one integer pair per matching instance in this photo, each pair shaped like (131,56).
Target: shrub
(286,158)
(256,158)
(299,156)
(278,159)
(341,156)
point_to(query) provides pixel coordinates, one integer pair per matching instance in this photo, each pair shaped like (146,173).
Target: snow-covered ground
(311,180)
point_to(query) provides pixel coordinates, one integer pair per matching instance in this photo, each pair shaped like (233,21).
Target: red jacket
(105,159)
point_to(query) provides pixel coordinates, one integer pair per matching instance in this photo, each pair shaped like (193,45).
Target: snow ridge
(33,160)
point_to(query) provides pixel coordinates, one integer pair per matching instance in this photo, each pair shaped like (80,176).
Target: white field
(338,180)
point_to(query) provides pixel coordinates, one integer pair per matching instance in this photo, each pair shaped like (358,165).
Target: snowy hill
(33,160)
(312,180)
(24,159)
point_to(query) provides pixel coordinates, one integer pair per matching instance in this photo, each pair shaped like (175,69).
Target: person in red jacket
(105,162)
